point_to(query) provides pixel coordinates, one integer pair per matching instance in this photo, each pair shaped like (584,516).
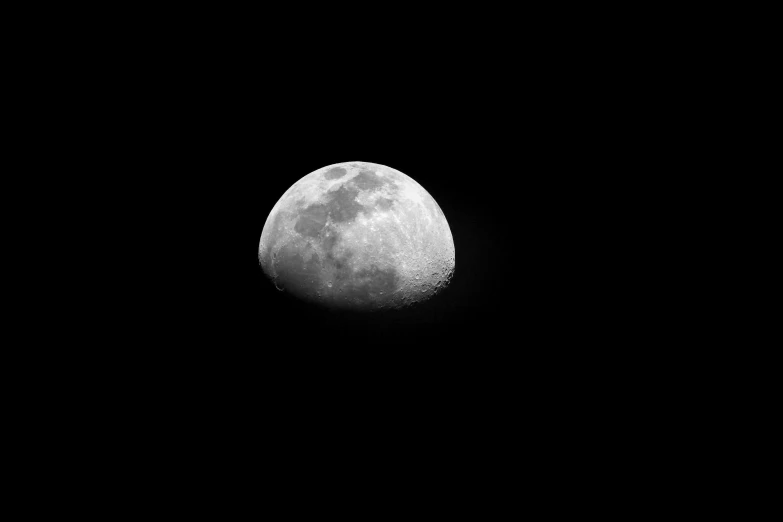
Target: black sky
(541,141)
(540,150)
(527,158)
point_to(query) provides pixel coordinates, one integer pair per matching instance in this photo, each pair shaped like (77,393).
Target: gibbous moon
(358,236)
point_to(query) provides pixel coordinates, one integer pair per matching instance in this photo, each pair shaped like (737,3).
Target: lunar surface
(358,236)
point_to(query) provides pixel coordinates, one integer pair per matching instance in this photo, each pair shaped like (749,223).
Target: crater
(368,180)
(335,172)
(371,282)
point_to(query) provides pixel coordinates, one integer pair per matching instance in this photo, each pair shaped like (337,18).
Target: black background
(542,152)
(538,150)
(525,162)
(529,162)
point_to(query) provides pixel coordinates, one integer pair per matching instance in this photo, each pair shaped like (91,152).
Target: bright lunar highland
(358,236)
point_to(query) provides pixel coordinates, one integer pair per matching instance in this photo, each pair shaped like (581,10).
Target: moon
(357,236)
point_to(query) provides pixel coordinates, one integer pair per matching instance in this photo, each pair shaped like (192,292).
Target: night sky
(518,207)
(528,176)
(545,155)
